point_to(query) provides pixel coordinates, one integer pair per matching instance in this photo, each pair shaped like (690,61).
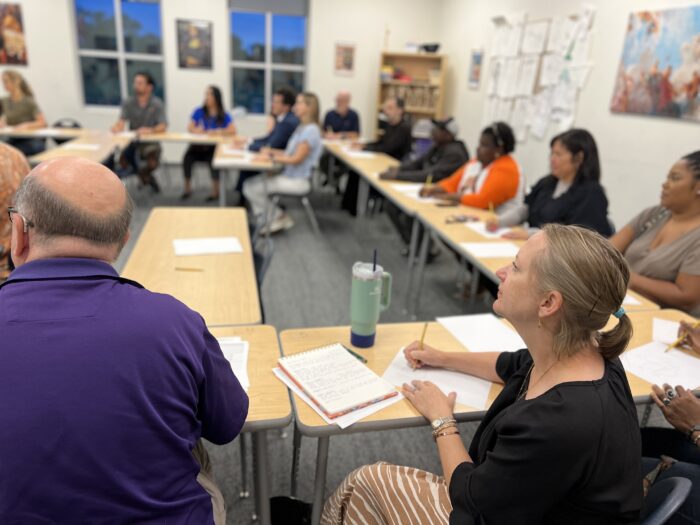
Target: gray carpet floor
(308,284)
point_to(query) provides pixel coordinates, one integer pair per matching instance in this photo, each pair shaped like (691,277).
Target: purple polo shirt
(105,388)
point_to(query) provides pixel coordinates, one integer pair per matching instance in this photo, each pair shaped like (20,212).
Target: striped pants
(384,494)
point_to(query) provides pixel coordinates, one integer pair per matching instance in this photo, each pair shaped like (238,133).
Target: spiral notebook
(335,381)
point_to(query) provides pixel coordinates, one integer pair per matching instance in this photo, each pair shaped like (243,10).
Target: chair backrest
(664,499)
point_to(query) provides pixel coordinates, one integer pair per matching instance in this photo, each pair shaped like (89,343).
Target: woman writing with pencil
(492,180)
(662,243)
(560,444)
(678,447)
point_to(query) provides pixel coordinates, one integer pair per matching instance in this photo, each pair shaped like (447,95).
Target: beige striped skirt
(389,494)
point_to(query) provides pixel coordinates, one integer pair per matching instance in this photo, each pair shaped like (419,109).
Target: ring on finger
(666,401)
(670,393)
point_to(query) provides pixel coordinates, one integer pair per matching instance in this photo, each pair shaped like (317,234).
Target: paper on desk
(652,363)
(471,391)
(230,150)
(342,421)
(236,353)
(490,250)
(46,132)
(126,134)
(359,154)
(207,245)
(631,300)
(482,333)
(81,146)
(665,331)
(412,190)
(480,228)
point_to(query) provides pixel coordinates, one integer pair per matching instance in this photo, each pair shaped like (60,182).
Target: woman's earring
(539,323)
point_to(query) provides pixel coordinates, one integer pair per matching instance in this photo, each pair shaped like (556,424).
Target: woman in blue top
(209,119)
(298,161)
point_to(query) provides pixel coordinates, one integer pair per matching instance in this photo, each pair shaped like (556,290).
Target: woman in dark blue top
(209,119)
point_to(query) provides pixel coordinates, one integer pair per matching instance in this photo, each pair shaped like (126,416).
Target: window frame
(268,66)
(120,54)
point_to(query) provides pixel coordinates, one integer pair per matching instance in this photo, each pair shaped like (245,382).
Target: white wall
(636,151)
(54,73)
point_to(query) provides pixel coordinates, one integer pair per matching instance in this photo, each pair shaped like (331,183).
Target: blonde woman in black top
(561,443)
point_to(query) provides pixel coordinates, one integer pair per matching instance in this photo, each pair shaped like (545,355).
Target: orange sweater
(500,186)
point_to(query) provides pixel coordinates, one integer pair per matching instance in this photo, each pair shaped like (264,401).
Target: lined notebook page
(335,380)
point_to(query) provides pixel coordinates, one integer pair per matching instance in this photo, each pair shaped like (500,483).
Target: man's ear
(19,246)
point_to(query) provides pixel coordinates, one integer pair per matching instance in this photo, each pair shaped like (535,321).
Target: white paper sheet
(534,37)
(495,75)
(482,333)
(508,80)
(541,113)
(665,331)
(230,150)
(480,228)
(207,245)
(521,117)
(527,76)
(487,118)
(631,300)
(471,391)
(81,146)
(652,363)
(491,250)
(552,66)
(236,353)
(504,107)
(342,421)
(512,47)
(412,190)
(359,154)
(46,132)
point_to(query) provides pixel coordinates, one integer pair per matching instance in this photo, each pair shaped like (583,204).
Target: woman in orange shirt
(492,179)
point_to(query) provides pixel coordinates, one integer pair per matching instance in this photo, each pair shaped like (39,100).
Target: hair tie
(620,312)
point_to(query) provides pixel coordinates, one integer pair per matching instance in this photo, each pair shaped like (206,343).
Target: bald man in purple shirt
(106,388)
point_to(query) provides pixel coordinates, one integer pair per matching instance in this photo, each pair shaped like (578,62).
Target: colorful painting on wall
(13,47)
(659,72)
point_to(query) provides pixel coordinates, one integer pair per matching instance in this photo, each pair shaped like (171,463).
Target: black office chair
(65,123)
(664,499)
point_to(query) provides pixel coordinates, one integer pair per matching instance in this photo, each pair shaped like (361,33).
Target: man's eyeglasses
(27,223)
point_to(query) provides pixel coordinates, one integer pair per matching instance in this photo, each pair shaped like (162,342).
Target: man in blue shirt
(285,123)
(106,387)
(342,123)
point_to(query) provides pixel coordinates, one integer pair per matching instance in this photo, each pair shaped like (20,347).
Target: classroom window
(116,39)
(268,50)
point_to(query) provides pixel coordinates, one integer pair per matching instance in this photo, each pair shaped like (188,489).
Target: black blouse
(570,456)
(583,204)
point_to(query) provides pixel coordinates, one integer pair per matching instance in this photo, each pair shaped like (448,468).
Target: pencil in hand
(678,341)
(422,338)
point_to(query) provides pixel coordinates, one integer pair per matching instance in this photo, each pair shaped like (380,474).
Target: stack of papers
(482,333)
(235,351)
(81,146)
(342,421)
(471,391)
(207,245)
(491,250)
(654,364)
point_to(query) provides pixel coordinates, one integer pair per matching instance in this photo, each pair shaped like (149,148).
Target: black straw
(374,261)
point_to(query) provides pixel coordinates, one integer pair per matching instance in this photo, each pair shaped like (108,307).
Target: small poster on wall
(659,72)
(475,68)
(194,44)
(13,47)
(344,58)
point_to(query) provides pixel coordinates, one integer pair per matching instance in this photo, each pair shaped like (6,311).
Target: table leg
(320,481)
(262,478)
(415,228)
(245,491)
(331,171)
(296,452)
(222,188)
(423,257)
(474,286)
(362,196)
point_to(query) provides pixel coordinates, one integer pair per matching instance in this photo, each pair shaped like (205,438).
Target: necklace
(523,391)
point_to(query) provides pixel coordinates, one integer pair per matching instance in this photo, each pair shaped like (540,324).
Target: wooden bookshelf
(421,82)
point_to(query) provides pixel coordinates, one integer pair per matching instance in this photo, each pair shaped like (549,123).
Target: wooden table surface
(225,291)
(226,156)
(390,338)
(42,133)
(270,406)
(184,137)
(91,145)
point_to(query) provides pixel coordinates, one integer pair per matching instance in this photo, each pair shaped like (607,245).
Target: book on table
(335,381)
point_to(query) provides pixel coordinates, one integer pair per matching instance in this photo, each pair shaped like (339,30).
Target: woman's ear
(550,304)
